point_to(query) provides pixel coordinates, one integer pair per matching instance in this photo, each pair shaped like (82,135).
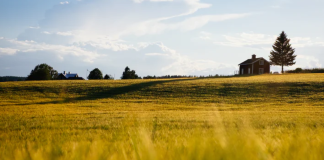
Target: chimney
(253,57)
(64,72)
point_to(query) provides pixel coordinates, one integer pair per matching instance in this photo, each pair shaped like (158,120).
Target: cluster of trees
(97,74)
(127,74)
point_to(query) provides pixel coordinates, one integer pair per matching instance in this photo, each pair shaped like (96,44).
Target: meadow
(258,117)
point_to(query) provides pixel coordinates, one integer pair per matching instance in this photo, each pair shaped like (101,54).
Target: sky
(155,37)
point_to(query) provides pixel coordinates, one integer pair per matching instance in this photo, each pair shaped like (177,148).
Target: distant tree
(298,70)
(95,74)
(108,77)
(42,72)
(129,74)
(282,53)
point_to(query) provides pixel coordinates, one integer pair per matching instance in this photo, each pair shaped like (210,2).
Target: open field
(260,117)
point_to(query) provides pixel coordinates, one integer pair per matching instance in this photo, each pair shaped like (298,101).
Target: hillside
(258,117)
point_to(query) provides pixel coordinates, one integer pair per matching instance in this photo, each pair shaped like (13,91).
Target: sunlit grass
(259,117)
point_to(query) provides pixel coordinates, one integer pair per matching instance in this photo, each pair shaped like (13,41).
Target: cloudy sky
(154,37)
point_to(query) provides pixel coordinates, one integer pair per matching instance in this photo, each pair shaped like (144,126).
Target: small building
(254,66)
(69,76)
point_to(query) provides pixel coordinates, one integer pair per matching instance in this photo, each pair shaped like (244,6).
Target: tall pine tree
(282,53)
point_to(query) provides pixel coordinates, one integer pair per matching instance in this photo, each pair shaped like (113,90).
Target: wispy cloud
(205,35)
(262,40)
(8,51)
(66,2)
(189,24)
(60,50)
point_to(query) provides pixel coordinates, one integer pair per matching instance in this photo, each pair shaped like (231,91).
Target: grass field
(259,117)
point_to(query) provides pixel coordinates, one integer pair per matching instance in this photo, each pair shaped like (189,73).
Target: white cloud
(179,64)
(140,1)
(155,54)
(8,51)
(64,33)
(130,18)
(262,40)
(205,35)
(59,50)
(103,42)
(308,62)
(158,26)
(31,27)
(276,7)
(66,2)
(46,32)
(247,39)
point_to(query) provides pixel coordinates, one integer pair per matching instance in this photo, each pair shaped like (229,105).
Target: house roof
(251,61)
(71,75)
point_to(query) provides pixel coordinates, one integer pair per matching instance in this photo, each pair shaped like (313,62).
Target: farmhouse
(254,66)
(69,76)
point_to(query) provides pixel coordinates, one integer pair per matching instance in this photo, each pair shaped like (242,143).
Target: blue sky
(154,37)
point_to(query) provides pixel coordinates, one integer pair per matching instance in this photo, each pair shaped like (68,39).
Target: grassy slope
(260,117)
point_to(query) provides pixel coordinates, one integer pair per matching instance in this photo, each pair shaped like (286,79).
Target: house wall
(255,66)
(61,76)
(245,69)
(265,66)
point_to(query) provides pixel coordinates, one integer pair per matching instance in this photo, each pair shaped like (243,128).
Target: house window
(261,70)
(249,71)
(261,62)
(242,71)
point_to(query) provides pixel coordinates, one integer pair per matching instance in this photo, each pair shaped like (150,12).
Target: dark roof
(71,75)
(250,61)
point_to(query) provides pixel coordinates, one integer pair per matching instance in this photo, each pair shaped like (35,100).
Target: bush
(95,74)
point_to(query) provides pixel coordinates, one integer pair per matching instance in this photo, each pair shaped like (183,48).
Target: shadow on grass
(113,92)
(106,92)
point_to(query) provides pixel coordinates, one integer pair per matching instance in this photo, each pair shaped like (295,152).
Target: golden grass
(259,117)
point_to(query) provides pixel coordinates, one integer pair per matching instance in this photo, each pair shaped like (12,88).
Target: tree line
(11,78)
(46,72)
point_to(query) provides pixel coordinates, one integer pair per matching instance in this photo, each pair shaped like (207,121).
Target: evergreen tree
(95,74)
(282,53)
(42,72)
(129,74)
